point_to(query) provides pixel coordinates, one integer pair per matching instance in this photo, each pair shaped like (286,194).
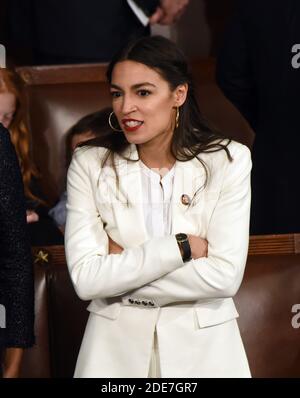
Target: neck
(157,153)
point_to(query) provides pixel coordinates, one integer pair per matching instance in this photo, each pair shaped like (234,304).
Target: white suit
(148,286)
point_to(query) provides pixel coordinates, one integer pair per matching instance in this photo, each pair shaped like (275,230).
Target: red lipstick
(131,125)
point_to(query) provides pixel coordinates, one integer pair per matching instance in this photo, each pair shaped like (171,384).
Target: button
(131,301)
(185,199)
(137,302)
(151,303)
(144,303)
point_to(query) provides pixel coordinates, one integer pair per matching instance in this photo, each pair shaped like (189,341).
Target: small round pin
(185,200)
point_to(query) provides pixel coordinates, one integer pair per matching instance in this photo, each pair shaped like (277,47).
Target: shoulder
(238,169)
(8,156)
(236,150)
(221,168)
(87,156)
(240,154)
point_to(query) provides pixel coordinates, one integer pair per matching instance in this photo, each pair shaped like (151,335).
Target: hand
(12,362)
(114,248)
(31,216)
(168,12)
(199,246)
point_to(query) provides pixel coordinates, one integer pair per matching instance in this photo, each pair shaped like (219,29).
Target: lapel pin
(185,200)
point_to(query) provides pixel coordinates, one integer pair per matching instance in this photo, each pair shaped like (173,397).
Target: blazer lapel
(129,206)
(188,179)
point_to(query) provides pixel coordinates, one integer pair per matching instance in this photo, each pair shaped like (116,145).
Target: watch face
(181,237)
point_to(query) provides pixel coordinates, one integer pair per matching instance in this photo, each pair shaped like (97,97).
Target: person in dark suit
(16,275)
(67,31)
(258,71)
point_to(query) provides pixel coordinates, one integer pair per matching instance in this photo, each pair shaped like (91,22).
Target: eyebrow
(135,86)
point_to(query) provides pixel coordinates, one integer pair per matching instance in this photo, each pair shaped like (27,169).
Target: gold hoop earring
(177,118)
(110,123)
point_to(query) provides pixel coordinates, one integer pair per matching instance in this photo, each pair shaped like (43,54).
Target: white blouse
(157,195)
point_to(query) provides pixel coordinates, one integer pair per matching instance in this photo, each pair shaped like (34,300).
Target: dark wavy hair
(96,123)
(193,135)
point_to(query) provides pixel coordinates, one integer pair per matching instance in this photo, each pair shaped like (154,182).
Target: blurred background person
(85,129)
(67,32)
(16,275)
(42,229)
(258,72)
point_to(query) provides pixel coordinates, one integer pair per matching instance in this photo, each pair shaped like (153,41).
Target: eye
(144,93)
(115,94)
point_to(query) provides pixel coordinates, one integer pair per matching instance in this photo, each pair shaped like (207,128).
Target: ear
(180,94)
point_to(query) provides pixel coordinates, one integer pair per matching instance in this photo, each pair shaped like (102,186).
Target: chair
(57,97)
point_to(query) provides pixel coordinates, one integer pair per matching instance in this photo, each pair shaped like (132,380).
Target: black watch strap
(185,248)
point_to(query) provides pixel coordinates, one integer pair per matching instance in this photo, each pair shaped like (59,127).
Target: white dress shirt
(157,195)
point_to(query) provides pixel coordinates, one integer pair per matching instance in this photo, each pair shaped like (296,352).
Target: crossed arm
(100,268)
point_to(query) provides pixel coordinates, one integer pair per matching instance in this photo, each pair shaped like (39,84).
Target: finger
(168,19)
(179,15)
(157,16)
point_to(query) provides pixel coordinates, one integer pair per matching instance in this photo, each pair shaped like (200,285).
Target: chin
(136,139)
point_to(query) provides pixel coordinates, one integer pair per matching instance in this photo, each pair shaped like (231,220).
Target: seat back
(265,300)
(67,318)
(60,318)
(57,97)
(36,360)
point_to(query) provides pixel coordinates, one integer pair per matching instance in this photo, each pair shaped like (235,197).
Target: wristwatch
(184,246)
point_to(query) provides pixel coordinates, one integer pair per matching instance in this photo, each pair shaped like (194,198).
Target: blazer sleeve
(94,272)
(234,69)
(220,274)
(16,273)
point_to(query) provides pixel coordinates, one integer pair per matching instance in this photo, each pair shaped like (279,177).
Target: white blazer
(148,286)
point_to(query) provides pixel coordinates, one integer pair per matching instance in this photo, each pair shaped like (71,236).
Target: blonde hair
(11,82)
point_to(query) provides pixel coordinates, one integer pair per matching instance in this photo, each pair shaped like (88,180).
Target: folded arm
(220,274)
(94,272)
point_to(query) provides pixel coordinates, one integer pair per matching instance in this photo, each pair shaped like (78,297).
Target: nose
(128,104)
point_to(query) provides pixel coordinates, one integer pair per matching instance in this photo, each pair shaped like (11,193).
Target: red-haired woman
(41,228)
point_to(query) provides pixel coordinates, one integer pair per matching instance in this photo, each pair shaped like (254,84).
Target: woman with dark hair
(16,278)
(158,227)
